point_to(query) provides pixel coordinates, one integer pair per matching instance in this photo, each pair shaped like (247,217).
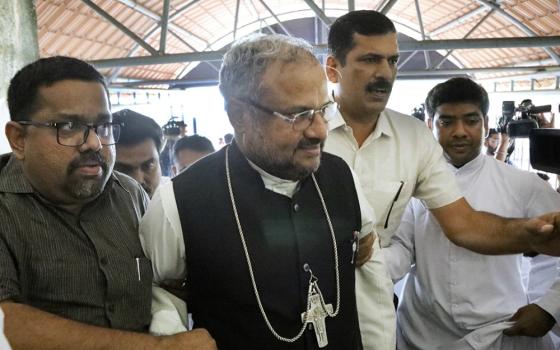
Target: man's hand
(530,321)
(197,339)
(365,249)
(544,233)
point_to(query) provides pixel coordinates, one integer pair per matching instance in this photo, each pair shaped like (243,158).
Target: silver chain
(250,266)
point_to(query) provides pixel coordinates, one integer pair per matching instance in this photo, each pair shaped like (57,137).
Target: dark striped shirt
(89,268)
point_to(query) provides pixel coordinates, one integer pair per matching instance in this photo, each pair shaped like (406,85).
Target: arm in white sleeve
(544,276)
(374,288)
(400,254)
(162,241)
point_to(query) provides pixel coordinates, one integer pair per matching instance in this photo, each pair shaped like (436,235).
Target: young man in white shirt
(455,298)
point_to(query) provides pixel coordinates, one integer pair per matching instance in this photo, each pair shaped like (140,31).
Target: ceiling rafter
(431,45)
(120,26)
(519,25)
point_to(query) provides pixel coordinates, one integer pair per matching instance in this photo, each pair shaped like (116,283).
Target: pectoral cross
(316,315)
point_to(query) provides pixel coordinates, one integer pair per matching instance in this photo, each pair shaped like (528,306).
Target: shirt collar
(274,183)
(469,167)
(383,126)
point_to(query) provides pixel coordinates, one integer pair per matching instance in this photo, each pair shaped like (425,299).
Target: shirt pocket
(388,198)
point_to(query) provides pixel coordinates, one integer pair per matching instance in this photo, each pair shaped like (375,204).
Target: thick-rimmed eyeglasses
(301,120)
(75,134)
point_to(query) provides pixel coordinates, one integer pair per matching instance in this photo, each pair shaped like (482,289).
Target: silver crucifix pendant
(316,315)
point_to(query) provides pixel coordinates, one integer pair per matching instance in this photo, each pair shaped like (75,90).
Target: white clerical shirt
(455,298)
(161,236)
(3,341)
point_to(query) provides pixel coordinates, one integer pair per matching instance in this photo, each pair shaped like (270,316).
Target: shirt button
(296,207)
(103,261)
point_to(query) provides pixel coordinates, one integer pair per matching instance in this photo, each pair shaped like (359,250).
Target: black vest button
(296,207)
(103,261)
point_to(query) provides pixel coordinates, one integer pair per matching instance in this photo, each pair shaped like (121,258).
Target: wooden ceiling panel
(71,27)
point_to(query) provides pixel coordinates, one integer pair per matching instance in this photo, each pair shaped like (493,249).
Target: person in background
(492,142)
(72,271)
(188,150)
(462,299)
(228,138)
(173,130)
(138,149)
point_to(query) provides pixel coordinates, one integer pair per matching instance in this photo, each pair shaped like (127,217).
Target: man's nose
(318,128)
(459,128)
(384,70)
(92,141)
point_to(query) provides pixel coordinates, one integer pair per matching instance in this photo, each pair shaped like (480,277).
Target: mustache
(379,84)
(88,159)
(310,143)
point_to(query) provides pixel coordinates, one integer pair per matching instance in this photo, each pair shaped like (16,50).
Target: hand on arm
(29,328)
(530,321)
(365,249)
(501,152)
(491,234)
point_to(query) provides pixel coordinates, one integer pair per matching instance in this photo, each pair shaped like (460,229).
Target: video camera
(418,113)
(519,121)
(173,126)
(544,149)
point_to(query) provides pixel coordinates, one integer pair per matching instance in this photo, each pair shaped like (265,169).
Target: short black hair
(491,132)
(228,138)
(136,128)
(363,22)
(24,86)
(457,90)
(195,143)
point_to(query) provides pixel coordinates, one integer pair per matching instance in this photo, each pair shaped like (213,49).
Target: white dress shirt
(3,341)
(455,298)
(161,236)
(400,148)
(400,152)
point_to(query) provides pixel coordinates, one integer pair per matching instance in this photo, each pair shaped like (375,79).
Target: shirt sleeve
(436,185)
(400,254)
(543,200)
(374,288)
(161,236)
(162,240)
(366,210)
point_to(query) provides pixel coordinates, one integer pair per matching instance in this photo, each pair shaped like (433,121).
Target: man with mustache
(138,149)
(396,158)
(265,231)
(454,298)
(72,271)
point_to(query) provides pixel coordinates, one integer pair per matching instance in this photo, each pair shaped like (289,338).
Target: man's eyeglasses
(75,134)
(301,120)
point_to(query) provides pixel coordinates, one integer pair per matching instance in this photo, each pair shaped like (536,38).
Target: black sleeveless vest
(282,235)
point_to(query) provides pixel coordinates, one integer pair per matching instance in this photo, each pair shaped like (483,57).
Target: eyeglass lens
(77,134)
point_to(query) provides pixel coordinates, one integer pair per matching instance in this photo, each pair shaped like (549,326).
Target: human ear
(331,67)
(15,133)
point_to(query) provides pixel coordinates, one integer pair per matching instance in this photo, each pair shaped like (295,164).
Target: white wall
(4,117)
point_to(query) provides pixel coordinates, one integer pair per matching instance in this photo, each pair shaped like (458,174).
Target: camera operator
(518,122)
(173,130)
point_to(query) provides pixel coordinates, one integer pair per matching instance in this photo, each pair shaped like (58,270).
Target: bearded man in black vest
(265,231)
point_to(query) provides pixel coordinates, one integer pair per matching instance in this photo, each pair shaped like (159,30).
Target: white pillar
(18,46)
